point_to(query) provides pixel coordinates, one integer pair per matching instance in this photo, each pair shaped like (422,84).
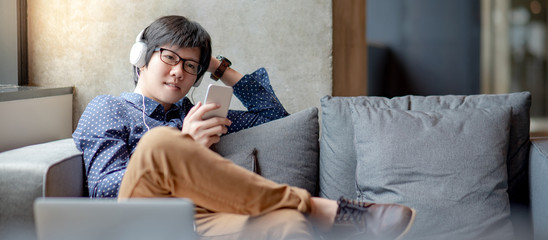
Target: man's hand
(206,132)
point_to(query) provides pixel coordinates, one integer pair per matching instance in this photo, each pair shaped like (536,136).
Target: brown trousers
(231,202)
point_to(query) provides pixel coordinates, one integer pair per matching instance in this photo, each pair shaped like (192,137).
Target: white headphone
(137,56)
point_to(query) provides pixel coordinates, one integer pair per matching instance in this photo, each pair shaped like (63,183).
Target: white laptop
(135,219)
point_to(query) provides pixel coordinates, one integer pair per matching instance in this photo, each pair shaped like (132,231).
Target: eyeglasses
(171,58)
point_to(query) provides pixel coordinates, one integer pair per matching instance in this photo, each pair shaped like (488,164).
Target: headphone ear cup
(198,81)
(137,54)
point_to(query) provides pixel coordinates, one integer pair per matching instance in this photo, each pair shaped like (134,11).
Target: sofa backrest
(338,155)
(458,160)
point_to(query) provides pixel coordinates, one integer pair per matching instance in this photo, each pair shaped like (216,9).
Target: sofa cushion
(286,149)
(337,153)
(449,165)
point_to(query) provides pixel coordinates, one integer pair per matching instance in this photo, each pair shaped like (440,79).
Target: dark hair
(177,31)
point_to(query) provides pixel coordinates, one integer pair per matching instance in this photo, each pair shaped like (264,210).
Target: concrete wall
(86,44)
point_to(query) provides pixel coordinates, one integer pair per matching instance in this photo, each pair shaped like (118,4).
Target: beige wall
(86,44)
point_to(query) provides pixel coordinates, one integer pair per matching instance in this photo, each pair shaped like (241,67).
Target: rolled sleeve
(256,94)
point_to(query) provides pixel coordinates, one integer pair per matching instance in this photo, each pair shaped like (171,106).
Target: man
(173,158)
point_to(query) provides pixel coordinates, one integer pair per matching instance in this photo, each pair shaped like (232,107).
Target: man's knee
(161,145)
(159,137)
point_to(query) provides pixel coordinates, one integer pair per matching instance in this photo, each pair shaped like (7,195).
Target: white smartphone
(220,95)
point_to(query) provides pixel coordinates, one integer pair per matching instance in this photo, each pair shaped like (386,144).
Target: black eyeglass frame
(178,61)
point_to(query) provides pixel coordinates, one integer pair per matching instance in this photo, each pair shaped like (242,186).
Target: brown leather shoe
(361,220)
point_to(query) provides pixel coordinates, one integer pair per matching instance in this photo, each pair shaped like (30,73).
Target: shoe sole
(409,225)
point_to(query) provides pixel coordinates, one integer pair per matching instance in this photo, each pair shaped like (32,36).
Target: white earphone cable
(144,109)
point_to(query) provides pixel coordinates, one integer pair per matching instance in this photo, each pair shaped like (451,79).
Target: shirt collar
(137,100)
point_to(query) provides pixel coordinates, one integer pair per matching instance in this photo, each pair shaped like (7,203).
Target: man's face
(165,83)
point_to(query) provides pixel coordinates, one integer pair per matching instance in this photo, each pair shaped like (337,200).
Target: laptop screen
(84,218)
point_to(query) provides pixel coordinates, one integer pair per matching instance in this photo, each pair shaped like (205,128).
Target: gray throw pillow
(449,165)
(337,153)
(284,150)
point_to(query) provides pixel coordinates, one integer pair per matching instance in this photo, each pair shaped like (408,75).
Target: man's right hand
(206,132)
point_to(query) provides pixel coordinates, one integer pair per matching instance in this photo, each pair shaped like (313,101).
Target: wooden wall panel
(349,48)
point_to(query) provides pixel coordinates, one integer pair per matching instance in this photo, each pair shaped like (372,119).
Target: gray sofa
(465,163)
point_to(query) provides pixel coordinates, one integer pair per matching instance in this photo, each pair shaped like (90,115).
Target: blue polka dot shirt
(110,127)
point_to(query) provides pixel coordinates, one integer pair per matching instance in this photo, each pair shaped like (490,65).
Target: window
(13,42)
(514,50)
(514,56)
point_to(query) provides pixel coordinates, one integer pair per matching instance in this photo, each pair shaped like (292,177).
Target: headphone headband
(139,37)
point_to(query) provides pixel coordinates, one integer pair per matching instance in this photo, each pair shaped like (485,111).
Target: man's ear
(141,69)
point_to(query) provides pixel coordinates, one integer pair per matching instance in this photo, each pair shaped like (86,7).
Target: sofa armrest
(538,158)
(50,169)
